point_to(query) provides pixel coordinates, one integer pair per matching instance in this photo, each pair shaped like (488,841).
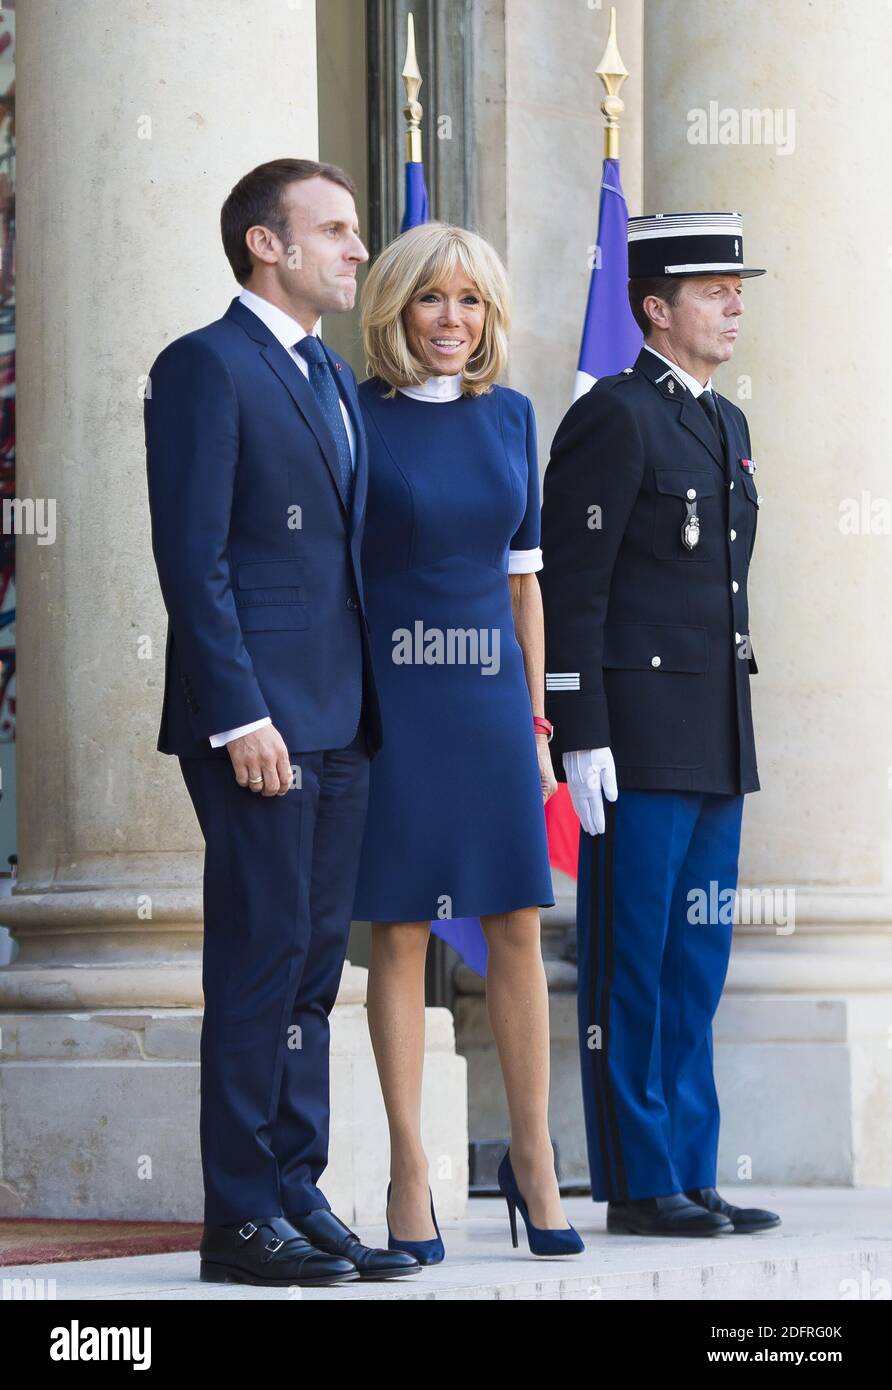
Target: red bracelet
(542,726)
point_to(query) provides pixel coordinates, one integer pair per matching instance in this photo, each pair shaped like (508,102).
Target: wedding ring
(255,779)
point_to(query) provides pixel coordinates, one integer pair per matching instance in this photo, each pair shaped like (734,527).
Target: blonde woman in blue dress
(456,794)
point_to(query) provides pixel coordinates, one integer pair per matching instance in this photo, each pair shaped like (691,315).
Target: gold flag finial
(411,75)
(613,73)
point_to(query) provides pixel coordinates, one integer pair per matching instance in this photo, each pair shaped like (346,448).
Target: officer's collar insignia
(748,465)
(668,383)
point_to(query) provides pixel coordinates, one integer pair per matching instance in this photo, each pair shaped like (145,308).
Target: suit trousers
(279,879)
(654,906)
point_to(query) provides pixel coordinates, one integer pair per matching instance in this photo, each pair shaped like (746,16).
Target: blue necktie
(707,400)
(326,392)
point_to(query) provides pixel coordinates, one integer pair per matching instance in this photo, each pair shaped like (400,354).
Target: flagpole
(611,340)
(412,111)
(417,205)
(613,73)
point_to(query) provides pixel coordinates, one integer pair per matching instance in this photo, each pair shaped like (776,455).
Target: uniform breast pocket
(749,503)
(686,520)
(750,489)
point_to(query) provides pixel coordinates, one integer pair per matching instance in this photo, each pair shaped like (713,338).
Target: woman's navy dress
(455,825)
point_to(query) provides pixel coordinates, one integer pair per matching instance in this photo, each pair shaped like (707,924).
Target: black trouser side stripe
(621,1177)
(597,994)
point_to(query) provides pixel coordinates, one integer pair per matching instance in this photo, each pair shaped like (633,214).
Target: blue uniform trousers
(654,932)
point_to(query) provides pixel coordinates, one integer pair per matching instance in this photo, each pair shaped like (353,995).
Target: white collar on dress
(435,388)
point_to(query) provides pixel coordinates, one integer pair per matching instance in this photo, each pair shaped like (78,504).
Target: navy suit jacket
(257,555)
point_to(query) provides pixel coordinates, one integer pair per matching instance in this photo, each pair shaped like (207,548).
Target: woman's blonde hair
(417,261)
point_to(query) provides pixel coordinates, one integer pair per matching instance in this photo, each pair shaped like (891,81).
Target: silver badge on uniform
(690,531)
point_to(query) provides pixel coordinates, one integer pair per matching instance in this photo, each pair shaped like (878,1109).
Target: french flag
(611,340)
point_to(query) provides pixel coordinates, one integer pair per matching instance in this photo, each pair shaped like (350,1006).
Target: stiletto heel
(512,1221)
(542,1241)
(426,1252)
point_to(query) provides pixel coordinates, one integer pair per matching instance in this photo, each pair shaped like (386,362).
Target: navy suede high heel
(426,1252)
(541,1240)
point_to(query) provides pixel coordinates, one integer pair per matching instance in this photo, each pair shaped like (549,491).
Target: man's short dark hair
(666,287)
(257,200)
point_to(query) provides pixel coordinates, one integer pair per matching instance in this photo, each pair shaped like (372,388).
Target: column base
(100,1114)
(805,1087)
(802,1047)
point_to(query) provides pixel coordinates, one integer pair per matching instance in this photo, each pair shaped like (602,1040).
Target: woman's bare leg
(517,1004)
(395,1006)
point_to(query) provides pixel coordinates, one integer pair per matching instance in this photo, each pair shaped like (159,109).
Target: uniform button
(731,484)
(655,661)
(351,603)
(734,585)
(737,637)
(734,535)
(691,494)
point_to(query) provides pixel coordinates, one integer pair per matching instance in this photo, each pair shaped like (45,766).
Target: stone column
(794,105)
(135,121)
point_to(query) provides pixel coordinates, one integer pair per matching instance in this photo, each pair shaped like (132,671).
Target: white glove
(590,772)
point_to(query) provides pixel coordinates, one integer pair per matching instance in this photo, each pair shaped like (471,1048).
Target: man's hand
(261,761)
(590,772)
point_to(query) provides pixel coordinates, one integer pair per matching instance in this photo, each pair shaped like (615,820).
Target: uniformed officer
(648,523)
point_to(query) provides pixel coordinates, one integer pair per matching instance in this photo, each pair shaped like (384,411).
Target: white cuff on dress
(525,561)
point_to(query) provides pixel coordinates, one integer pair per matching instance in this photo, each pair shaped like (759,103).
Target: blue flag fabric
(464,935)
(611,339)
(416,197)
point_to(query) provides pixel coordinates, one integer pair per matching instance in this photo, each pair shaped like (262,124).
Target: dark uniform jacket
(647,646)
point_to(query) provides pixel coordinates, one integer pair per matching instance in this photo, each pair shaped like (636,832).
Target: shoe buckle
(274,1245)
(248,1230)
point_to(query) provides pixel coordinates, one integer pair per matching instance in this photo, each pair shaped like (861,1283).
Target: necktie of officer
(707,400)
(326,392)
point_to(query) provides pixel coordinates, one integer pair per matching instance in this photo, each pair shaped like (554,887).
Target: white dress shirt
(288,332)
(448,388)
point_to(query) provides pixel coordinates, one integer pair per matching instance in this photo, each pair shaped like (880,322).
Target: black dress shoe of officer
(743,1219)
(328,1232)
(674,1215)
(268,1251)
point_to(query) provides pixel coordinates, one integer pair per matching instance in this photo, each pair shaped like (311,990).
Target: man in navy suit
(257,477)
